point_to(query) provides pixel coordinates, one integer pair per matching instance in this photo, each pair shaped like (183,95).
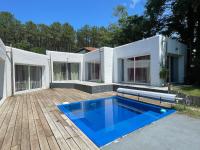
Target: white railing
(22,85)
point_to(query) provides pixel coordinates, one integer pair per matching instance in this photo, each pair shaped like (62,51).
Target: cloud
(134,3)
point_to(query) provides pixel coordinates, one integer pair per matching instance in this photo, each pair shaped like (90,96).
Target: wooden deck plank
(34,141)
(79,141)
(44,122)
(53,143)
(3,106)
(25,142)
(16,141)
(59,133)
(16,147)
(9,133)
(60,119)
(4,111)
(33,121)
(6,121)
(40,132)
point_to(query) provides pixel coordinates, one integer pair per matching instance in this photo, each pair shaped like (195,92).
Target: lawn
(188,110)
(188,90)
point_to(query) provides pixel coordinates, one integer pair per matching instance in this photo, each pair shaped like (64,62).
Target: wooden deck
(33,121)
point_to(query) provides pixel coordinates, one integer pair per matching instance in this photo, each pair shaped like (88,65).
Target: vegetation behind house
(179,19)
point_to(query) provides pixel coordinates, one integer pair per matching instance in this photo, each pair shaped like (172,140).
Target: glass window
(65,71)
(59,71)
(21,78)
(130,69)
(73,71)
(35,77)
(27,77)
(93,71)
(137,69)
(142,69)
(131,74)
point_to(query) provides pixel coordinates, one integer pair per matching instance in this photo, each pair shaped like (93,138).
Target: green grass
(188,110)
(188,90)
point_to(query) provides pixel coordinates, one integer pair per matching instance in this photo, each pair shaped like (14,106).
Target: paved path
(175,132)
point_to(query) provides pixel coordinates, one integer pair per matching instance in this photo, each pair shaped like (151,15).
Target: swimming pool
(106,119)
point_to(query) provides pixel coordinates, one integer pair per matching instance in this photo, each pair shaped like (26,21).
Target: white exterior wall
(93,56)
(66,57)
(180,50)
(2,72)
(104,56)
(150,46)
(2,51)
(108,65)
(26,58)
(158,47)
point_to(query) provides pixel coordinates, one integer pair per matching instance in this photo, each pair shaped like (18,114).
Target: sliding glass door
(73,71)
(137,69)
(59,71)
(21,78)
(65,71)
(35,77)
(130,69)
(93,71)
(27,77)
(142,69)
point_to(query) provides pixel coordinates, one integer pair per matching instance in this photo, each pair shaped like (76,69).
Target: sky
(76,12)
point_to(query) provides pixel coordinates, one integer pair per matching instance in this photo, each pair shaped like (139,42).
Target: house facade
(139,62)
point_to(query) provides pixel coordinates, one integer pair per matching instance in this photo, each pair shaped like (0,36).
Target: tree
(94,36)
(154,10)
(68,37)
(179,19)
(184,21)
(129,28)
(9,28)
(120,11)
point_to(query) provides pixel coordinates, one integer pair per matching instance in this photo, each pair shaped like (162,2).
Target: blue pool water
(106,119)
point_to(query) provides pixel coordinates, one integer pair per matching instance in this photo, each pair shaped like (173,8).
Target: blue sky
(75,12)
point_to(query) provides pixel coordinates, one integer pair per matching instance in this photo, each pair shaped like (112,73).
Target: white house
(65,66)
(139,62)
(24,71)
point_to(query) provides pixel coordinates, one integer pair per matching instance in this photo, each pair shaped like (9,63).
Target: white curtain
(93,71)
(142,69)
(73,71)
(59,71)
(65,71)
(35,77)
(21,78)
